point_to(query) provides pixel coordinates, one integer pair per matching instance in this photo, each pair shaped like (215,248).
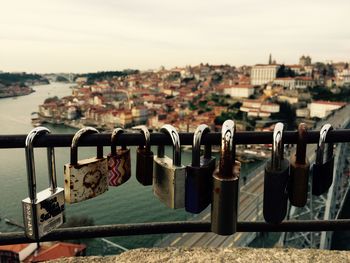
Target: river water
(129,203)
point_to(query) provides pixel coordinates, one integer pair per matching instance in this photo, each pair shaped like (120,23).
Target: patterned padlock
(87,178)
(43,211)
(119,166)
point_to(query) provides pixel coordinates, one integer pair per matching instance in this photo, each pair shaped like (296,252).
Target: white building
(241,91)
(256,108)
(344,76)
(304,82)
(287,82)
(321,109)
(263,74)
(303,113)
(295,83)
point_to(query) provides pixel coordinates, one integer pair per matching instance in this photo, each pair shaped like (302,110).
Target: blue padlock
(199,180)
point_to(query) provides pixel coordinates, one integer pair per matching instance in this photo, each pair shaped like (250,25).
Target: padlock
(119,164)
(43,211)
(85,179)
(276,181)
(169,175)
(224,208)
(299,171)
(322,170)
(144,160)
(199,180)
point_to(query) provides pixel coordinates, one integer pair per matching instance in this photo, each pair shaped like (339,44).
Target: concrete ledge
(241,255)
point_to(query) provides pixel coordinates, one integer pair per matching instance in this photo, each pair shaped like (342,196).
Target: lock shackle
(170,130)
(277,146)
(147,135)
(227,150)
(301,144)
(196,146)
(114,136)
(74,145)
(321,144)
(30,163)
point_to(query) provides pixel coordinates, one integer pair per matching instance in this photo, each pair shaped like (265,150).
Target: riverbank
(15,91)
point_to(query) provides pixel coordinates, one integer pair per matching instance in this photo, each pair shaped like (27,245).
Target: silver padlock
(169,175)
(224,208)
(42,212)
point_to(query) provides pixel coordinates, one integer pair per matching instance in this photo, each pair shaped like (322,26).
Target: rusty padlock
(299,171)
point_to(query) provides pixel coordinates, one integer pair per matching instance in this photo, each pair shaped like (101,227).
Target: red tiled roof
(304,78)
(57,251)
(329,102)
(285,78)
(14,248)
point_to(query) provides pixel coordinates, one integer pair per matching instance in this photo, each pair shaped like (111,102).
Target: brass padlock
(85,179)
(276,181)
(322,170)
(144,160)
(224,208)
(199,175)
(299,171)
(119,164)
(169,175)
(42,212)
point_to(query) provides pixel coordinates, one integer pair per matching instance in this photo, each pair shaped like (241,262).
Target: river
(128,203)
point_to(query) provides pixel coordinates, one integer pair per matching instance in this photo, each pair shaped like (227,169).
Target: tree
(287,114)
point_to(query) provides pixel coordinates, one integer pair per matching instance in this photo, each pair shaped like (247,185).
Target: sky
(96,35)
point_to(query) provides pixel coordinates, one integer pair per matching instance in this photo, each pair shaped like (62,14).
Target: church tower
(270,59)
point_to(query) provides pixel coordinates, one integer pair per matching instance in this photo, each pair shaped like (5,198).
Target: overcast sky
(96,35)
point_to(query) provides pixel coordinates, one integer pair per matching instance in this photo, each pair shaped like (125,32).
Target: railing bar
(176,227)
(129,138)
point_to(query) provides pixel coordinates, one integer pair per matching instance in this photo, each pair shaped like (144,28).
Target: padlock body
(199,183)
(85,180)
(169,182)
(322,177)
(224,208)
(275,192)
(46,213)
(119,167)
(298,182)
(144,166)
(198,188)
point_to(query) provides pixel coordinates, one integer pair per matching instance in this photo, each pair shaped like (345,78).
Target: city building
(321,109)
(257,108)
(305,61)
(263,74)
(240,91)
(299,82)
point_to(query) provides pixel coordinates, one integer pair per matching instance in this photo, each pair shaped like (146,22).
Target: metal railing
(128,138)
